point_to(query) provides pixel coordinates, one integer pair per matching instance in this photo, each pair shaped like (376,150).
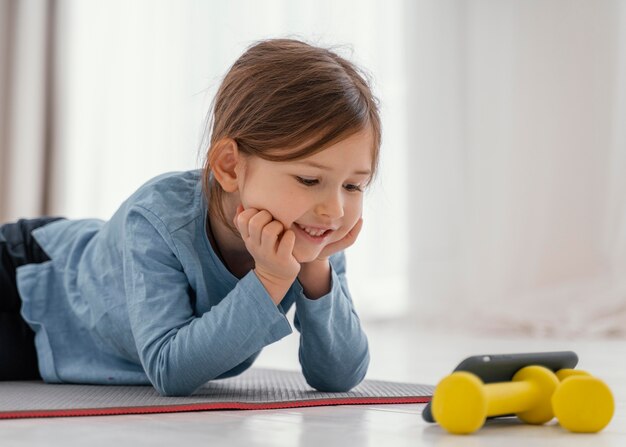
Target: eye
(353,188)
(307,181)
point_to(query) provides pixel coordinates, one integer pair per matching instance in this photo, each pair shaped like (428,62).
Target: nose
(330,205)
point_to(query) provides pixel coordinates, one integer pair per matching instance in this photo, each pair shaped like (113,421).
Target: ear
(225,161)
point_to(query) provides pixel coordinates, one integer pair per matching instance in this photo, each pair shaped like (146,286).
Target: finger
(286,244)
(257,223)
(354,232)
(242,219)
(236,216)
(271,235)
(237,212)
(346,241)
(350,238)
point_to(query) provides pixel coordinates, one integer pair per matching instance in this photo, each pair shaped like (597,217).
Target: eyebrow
(324,167)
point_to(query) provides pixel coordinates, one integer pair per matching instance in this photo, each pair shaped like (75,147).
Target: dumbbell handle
(510,397)
(516,397)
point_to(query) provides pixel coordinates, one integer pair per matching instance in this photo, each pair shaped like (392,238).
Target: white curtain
(519,161)
(26,103)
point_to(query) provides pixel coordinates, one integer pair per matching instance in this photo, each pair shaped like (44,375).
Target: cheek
(286,208)
(283,205)
(353,211)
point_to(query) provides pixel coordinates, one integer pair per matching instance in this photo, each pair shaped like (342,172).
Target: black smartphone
(502,367)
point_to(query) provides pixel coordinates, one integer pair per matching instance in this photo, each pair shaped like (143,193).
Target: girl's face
(320,193)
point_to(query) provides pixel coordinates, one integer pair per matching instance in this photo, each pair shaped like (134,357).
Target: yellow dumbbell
(582,403)
(462,402)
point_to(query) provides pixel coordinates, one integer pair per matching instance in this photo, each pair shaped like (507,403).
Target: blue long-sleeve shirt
(144,299)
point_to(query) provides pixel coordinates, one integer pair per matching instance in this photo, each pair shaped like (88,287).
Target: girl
(193,275)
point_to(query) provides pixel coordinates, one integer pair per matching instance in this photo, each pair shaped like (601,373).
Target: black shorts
(18,357)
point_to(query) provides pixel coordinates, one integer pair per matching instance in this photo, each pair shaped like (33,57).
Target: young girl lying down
(194,273)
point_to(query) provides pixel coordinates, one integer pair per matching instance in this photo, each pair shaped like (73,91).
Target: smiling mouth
(314,234)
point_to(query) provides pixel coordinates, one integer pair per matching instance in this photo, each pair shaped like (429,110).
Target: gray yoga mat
(255,389)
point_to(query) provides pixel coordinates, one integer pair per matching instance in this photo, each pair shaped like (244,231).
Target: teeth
(312,232)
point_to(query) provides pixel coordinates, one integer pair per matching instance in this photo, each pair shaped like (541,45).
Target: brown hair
(285,100)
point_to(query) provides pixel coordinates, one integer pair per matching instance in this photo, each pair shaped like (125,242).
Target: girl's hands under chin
(315,276)
(342,243)
(271,247)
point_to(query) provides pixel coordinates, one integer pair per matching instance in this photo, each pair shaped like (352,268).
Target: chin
(305,256)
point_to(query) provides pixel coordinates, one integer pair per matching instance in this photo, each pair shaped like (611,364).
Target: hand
(271,247)
(342,243)
(315,276)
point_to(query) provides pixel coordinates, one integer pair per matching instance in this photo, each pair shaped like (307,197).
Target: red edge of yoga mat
(108,411)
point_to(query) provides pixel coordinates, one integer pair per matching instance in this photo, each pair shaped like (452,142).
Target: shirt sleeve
(180,351)
(333,352)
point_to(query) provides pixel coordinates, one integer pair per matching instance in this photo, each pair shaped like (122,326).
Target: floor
(399,352)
